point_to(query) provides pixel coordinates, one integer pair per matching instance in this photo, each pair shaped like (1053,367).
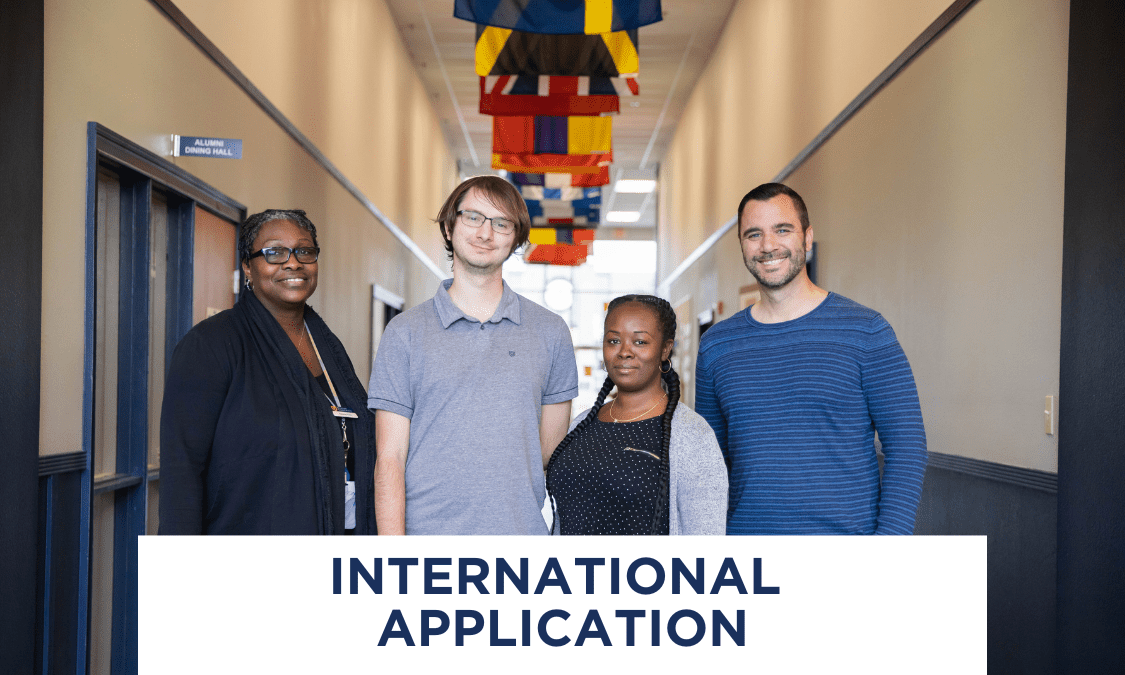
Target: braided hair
(666,319)
(253,225)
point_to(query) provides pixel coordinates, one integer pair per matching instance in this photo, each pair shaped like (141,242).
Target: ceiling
(672,53)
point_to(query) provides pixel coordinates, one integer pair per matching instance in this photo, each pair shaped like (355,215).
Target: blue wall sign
(198,146)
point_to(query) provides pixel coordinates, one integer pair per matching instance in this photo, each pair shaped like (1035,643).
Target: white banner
(560,604)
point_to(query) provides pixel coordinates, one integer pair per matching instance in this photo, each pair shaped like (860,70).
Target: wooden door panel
(215,262)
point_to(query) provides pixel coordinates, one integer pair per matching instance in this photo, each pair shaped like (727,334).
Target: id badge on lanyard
(338,409)
(349,504)
(340,412)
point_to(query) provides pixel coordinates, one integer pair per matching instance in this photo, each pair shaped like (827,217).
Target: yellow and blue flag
(583,135)
(560,17)
(502,51)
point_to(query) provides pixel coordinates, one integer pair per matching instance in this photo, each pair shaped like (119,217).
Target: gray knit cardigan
(697,476)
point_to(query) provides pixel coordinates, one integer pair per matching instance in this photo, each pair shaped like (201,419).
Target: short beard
(797,263)
(475,269)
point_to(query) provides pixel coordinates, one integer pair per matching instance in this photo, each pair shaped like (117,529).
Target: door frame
(141,171)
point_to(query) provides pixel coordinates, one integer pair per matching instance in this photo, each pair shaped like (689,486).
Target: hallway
(960,160)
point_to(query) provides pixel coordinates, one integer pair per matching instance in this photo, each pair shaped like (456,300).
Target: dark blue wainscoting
(57,580)
(1016,509)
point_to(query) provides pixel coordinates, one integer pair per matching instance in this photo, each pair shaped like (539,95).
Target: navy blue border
(130,503)
(90,339)
(181,262)
(1091,501)
(47,547)
(21,180)
(21,193)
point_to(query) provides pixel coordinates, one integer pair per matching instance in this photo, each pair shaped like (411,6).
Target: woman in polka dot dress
(642,463)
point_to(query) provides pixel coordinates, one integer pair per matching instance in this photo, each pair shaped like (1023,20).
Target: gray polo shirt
(473,393)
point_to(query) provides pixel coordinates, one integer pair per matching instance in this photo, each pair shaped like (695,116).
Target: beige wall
(781,71)
(940,205)
(339,71)
(343,78)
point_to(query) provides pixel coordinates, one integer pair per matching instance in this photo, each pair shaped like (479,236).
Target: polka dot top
(607,479)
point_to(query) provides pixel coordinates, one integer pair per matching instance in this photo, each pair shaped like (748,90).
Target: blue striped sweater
(795,406)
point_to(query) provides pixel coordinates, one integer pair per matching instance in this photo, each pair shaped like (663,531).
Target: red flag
(571,247)
(552,163)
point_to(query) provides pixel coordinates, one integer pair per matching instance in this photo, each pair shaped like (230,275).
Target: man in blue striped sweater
(796,387)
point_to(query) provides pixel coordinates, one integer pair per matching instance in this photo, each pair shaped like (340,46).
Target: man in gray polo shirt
(472,389)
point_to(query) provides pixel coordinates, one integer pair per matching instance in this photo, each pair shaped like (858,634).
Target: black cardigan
(247,442)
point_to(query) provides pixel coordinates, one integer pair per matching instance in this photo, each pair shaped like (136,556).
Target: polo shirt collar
(509,307)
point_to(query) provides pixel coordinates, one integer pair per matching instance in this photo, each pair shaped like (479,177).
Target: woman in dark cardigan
(264,427)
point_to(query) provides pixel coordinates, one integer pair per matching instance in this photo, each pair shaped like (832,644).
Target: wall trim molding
(189,29)
(1029,478)
(932,32)
(66,462)
(117,481)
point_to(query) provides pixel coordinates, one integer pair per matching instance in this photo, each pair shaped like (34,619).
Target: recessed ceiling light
(623,216)
(635,185)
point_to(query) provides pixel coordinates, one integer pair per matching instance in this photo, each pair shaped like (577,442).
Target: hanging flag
(558,95)
(560,235)
(553,163)
(556,254)
(558,246)
(560,18)
(538,192)
(562,208)
(563,213)
(542,221)
(561,180)
(500,51)
(552,135)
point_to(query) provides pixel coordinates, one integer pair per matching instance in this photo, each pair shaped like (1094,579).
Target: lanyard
(338,410)
(323,370)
